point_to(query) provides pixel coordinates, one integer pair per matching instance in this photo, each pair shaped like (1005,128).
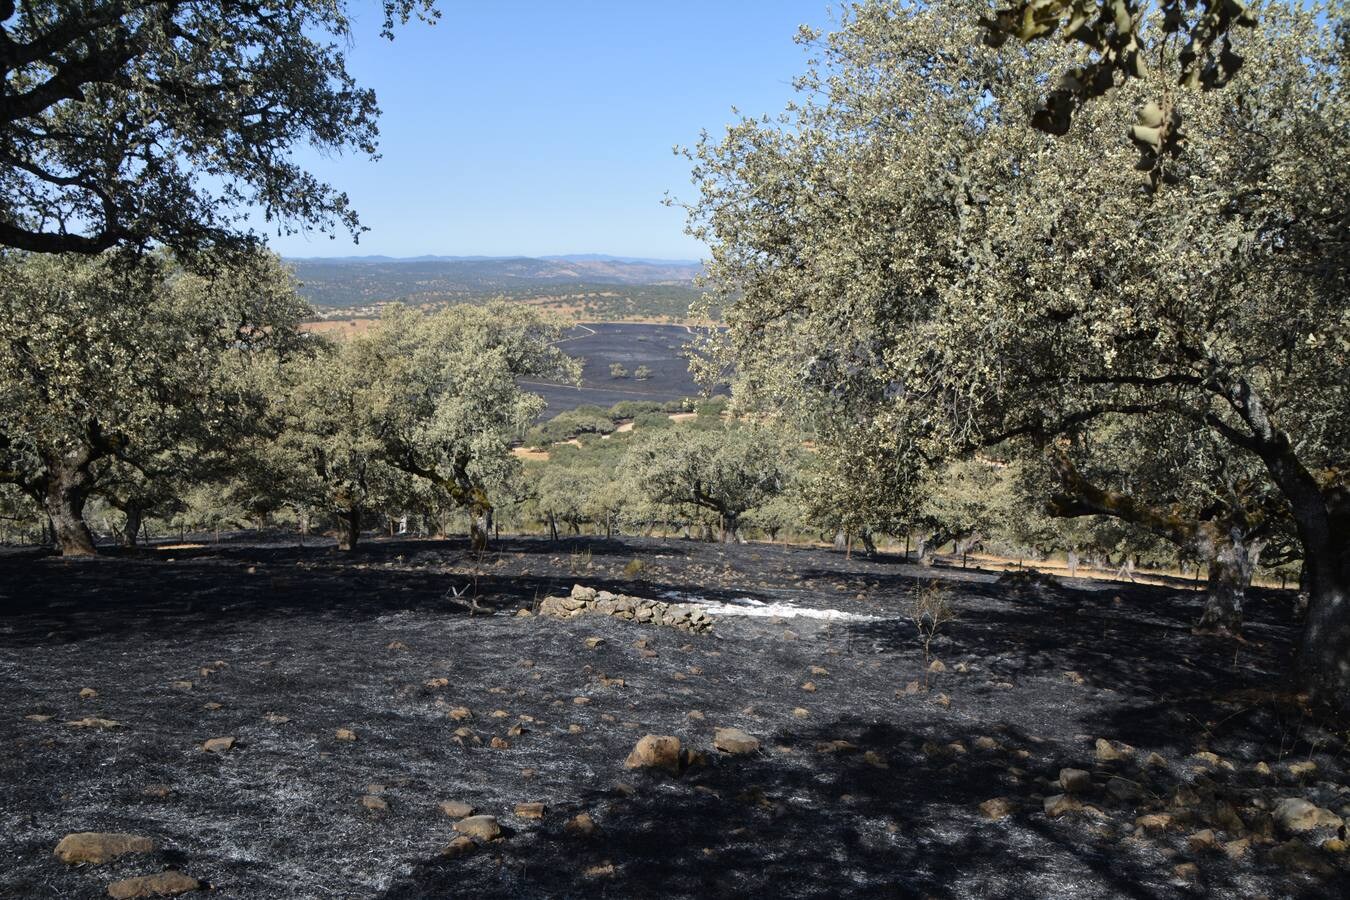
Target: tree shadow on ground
(893,814)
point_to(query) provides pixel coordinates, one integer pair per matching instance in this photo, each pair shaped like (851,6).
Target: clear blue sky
(539,128)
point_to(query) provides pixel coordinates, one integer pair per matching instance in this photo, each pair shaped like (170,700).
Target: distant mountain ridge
(342,282)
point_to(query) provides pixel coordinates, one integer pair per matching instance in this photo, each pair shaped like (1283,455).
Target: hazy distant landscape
(587,287)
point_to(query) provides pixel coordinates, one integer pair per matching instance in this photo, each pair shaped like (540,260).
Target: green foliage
(130,371)
(642,373)
(652,420)
(902,251)
(1117,38)
(570,424)
(617,370)
(724,471)
(631,409)
(160,121)
(423,403)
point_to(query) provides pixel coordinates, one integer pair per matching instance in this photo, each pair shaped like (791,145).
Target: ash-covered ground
(865,785)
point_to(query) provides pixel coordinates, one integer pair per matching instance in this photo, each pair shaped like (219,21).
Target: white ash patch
(750,607)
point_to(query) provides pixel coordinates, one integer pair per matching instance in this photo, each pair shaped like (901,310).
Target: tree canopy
(900,248)
(421,401)
(166,121)
(119,369)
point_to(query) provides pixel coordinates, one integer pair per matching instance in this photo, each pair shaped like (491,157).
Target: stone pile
(584,600)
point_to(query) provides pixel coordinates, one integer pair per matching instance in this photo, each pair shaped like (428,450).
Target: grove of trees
(901,251)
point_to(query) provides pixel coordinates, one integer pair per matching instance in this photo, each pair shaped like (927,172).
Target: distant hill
(347,282)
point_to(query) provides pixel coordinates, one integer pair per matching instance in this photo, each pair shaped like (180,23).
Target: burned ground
(864,786)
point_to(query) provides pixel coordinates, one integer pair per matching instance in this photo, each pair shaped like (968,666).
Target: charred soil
(865,783)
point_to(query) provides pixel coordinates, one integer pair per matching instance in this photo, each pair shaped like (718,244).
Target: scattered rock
(460,713)
(1302,769)
(499,743)
(39,717)
(1297,816)
(1154,761)
(801,713)
(436,683)
(1124,790)
(997,808)
(95,722)
(374,803)
(1057,805)
(164,884)
(819,670)
(809,687)
(1187,872)
(529,810)
(459,846)
(1155,821)
(656,751)
(484,828)
(581,825)
(604,870)
(345,734)
(181,685)
(594,642)
(276,719)
(985,743)
(937,665)
(88,693)
(1075,781)
(219,745)
(100,846)
(1202,840)
(158,791)
(734,741)
(1106,752)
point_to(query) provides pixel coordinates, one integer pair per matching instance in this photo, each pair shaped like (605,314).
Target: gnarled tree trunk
(134,514)
(1324,649)
(1232,562)
(349,528)
(67,491)
(480,528)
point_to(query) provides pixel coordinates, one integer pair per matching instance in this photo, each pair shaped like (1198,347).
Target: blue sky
(541,128)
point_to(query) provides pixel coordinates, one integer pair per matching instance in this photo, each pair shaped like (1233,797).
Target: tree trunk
(133,525)
(1230,575)
(1324,649)
(480,528)
(552,527)
(349,528)
(730,529)
(840,541)
(67,490)
(1073,564)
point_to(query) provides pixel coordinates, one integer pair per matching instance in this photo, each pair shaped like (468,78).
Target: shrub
(634,568)
(653,420)
(932,610)
(631,409)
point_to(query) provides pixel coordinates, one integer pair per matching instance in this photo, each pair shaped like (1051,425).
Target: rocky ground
(270,721)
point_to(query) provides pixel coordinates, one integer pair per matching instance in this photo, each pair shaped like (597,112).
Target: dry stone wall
(584,600)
